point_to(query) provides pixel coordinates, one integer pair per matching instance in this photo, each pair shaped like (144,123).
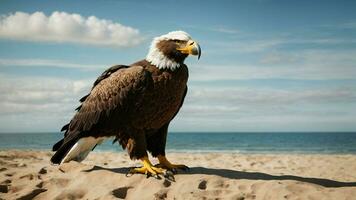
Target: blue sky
(266,65)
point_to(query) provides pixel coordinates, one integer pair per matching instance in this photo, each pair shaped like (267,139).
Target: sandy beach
(103,175)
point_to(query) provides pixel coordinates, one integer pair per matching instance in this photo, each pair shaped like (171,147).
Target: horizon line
(209,132)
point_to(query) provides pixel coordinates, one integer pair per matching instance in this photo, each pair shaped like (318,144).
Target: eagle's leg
(147,168)
(156,144)
(164,163)
(136,147)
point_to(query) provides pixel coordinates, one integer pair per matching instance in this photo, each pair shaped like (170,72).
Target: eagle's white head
(170,50)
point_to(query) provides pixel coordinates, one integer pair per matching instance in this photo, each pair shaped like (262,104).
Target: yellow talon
(164,163)
(147,168)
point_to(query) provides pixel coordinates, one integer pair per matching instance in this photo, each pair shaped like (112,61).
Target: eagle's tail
(74,149)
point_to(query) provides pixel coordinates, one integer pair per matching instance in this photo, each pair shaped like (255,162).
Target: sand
(29,175)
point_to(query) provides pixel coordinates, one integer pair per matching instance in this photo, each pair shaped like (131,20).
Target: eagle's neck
(158,59)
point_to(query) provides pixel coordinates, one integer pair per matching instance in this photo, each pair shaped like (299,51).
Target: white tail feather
(82,148)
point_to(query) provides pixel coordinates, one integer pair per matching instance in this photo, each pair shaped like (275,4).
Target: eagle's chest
(163,100)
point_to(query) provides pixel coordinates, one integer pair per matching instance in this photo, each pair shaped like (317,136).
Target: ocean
(269,142)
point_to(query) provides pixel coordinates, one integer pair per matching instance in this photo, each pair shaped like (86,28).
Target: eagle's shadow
(234,174)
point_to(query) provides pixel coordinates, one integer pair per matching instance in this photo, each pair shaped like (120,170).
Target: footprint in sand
(3,169)
(10,174)
(162,194)
(7,182)
(166,183)
(32,194)
(28,176)
(121,192)
(4,188)
(43,170)
(40,185)
(202,185)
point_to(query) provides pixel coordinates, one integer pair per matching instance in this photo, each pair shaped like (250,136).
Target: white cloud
(38,103)
(47,63)
(65,27)
(40,94)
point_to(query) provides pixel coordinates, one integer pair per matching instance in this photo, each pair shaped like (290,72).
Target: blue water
(321,143)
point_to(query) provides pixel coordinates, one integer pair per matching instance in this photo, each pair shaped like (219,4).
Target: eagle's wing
(103,76)
(110,94)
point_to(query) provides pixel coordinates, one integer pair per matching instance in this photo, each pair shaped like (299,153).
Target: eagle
(133,104)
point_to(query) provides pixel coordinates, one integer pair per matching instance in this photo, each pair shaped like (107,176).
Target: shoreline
(102,175)
(242,143)
(182,151)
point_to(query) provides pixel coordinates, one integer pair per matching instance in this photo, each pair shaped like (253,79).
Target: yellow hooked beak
(192,48)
